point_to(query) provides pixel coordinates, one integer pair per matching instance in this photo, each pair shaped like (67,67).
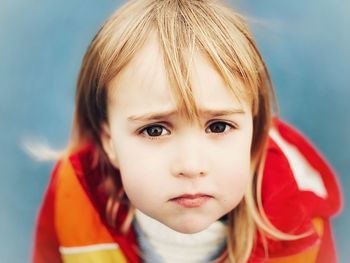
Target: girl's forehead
(143,82)
(144,75)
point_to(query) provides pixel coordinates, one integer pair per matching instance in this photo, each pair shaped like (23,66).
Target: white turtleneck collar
(161,244)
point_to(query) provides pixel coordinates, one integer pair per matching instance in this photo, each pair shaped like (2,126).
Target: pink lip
(191,200)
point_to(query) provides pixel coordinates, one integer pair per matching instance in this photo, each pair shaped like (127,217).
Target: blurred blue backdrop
(306,45)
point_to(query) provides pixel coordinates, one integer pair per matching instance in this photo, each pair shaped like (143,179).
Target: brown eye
(154,131)
(218,127)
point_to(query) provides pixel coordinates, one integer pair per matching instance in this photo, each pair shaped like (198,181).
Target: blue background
(306,45)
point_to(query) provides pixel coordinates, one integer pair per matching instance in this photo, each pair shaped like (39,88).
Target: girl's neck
(159,243)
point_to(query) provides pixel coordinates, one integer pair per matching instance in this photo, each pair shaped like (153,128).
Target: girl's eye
(218,127)
(154,131)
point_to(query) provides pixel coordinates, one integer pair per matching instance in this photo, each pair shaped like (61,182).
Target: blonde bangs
(186,27)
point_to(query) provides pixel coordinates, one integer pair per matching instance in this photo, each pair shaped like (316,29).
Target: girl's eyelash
(161,128)
(230,125)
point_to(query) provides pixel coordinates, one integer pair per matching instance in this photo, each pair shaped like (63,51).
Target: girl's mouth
(191,200)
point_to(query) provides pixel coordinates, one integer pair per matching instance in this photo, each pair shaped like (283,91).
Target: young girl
(174,154)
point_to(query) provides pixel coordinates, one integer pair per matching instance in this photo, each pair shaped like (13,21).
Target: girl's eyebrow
(208,113)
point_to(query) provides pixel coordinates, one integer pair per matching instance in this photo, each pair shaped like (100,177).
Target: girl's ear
(108,146)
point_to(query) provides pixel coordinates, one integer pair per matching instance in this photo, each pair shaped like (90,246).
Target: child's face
(182,174)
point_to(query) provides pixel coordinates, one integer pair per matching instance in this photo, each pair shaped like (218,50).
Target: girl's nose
(189,160)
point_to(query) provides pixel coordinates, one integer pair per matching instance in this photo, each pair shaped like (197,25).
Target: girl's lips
(191,201)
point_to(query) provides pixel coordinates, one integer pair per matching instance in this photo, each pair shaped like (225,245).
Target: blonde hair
(182,26)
